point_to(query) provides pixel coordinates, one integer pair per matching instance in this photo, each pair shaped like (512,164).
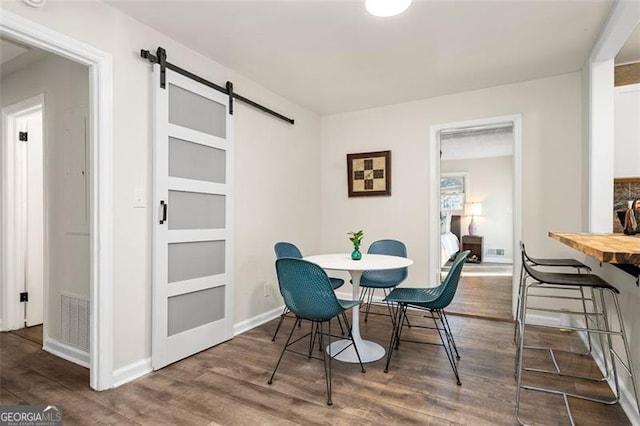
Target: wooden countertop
(610,248)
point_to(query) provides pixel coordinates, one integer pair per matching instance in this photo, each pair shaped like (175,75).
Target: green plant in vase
(356,239)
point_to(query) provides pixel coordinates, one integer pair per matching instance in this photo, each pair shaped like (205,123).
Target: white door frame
(13,266)
(434,191)
(100,181)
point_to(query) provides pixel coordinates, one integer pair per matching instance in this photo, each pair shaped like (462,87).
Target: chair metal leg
(371,292)
(284,313)
(519,352)
(518,304)
(284,348)
(327,360)
(446,345)
(450,334)
(355,347)
(312,338)
(404,308)
(396,320)
(340,324)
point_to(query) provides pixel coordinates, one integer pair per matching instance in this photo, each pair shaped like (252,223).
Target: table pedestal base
(369,351)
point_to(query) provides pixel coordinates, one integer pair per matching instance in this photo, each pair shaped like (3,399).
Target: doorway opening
(98,149)
(476,188)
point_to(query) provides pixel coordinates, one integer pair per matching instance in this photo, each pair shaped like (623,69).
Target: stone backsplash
(624,189)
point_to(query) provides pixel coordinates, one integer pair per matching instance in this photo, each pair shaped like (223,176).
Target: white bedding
(449,245)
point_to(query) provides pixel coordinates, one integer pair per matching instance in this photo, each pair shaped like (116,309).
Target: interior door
(34,213)
(193,217)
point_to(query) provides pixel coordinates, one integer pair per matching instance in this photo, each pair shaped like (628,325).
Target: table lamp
(474,209)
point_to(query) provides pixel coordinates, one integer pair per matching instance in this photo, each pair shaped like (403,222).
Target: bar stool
(573,283)
(557,263)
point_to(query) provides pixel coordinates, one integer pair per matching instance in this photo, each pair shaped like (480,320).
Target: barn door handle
(163,206)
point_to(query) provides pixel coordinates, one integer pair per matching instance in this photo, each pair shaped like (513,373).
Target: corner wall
(551,165)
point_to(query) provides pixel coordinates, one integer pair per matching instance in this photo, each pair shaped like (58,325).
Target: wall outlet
(267,289)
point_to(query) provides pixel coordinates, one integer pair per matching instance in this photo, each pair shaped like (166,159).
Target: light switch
(138,198)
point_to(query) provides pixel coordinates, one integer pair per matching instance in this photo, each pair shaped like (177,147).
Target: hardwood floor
(483,297)
(227,384)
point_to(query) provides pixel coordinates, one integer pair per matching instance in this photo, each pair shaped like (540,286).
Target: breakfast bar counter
(609,248)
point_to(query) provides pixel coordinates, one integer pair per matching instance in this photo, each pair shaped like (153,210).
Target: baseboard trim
(496,259)
(68,352)
(256,321)
(131,372)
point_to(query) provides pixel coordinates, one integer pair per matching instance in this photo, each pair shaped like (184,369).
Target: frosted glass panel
(194,210)
(194,161)
(195,260)
(196,112)
(191,310)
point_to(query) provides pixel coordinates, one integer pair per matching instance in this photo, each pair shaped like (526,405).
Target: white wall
(627,131)
(551,163)
(490,182)
(65,85)
(277,169)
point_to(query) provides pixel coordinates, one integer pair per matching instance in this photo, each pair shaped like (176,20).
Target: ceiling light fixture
(385,8)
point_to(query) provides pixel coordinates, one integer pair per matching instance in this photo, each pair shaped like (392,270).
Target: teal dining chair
(308,293)
(433,300)
(382,279)
(285,249)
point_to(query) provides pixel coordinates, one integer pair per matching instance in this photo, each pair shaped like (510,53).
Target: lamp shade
(385,8)
(473,209)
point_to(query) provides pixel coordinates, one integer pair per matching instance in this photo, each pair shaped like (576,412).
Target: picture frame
(369,173)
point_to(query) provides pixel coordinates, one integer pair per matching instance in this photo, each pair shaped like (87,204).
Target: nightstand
(473,243)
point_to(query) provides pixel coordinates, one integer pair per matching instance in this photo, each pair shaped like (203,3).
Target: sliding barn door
(193,219)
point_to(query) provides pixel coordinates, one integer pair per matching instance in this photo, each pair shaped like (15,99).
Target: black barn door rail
(161,58)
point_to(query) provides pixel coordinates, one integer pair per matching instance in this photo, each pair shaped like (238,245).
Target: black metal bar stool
(575,284)
(549,262)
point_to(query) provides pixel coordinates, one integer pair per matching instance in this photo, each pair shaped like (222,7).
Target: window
(452,192)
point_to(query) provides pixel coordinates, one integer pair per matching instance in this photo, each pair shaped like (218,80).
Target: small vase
(355,254)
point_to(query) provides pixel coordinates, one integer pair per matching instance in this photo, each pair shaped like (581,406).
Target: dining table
(369,351)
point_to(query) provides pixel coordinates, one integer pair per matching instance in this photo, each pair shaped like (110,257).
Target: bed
(449,236)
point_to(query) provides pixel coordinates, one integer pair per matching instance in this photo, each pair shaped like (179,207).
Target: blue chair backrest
(307,290)
(284,249)
(449,286)
(392,276)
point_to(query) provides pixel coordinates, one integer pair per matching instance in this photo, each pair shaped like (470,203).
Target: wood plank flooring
(483,297)
(227,384)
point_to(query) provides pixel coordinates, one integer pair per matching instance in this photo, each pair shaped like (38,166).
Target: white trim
(434,192)
(496,259)
(131,372)
(68,352)
(256,321)
(10,244)
(100,157)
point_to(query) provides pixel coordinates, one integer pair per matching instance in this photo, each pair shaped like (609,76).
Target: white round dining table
(369,351)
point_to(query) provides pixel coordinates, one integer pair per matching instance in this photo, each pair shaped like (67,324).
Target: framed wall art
(369,173)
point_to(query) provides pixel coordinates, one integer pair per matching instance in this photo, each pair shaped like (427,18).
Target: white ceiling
(331,56)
